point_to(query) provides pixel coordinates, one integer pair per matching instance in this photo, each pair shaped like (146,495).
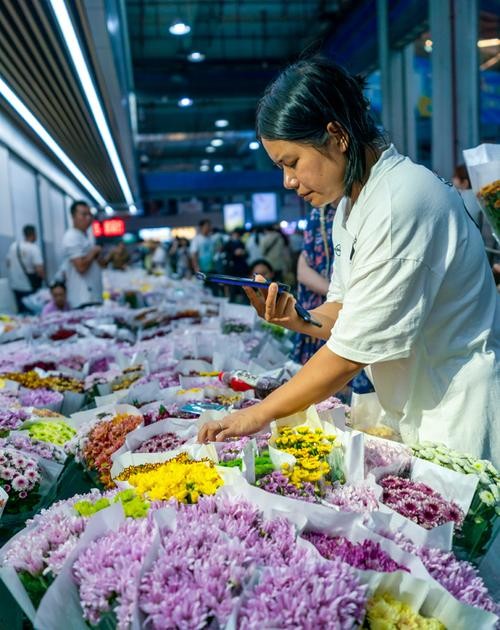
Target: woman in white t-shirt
(412,295)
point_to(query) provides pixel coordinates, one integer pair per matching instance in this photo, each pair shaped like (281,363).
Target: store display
(307,524)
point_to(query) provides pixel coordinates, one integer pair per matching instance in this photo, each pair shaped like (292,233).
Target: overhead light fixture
(221,123)
(196,56)
(82,71)
(217,142)
(205,161)
(204,168)
(178,27)
(185,101)
(49,141)
(109,210)
(133,209)
(428,45)
(487,43)
(210,149)
(218,168)
(254,145)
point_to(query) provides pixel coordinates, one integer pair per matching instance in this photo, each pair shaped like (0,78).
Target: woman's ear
(338,134)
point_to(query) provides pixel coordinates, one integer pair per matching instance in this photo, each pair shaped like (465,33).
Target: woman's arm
(310,278)
(323,375)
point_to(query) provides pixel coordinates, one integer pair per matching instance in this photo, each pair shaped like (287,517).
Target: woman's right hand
(271,306)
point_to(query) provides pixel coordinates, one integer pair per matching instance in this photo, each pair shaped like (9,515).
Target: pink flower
(19,483)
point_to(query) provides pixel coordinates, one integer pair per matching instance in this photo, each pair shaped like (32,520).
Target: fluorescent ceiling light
(221,123)
(179,28)
(254,145)
(185,102)
(133,209)
(90,92)
(196,57)
(218,168)
(44,135)
(204,168)
(109,210)
(217,142)
(486,43)
(210,149)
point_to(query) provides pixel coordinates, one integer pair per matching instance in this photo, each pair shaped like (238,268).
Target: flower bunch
(331,403)
(278,483)
(62,333)
(310,593)
(490,197)
(73,362)
(384,611)
(11,419)
(419,503)
(179,478)
(310,448)
(20,478)
(206,559)
(40,398)
(32,380)
(57,432)
(232,449)
(381,453)
(32,446)
(458,577)
(365,555)
(104,439)
(106,570)
(234,326)
(133,505)
(359,498)
(485,507)
(160,443)
(162,413)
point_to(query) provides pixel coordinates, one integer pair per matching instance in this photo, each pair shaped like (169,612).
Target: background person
(25,267)
(82,260)
(118,257)
(203,248)
(58,301)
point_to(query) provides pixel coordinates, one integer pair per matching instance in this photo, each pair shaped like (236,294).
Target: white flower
(487,497)
(19,483)
(479,466)
(484,479)
(7,473)
(495,491)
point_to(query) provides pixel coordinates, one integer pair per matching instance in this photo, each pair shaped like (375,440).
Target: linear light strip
(90,92)
(44,135)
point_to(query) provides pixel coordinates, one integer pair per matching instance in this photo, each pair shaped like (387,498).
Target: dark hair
(29,230)
(58,284)
(75,205)
(262,261)
(204,222)
(308,95)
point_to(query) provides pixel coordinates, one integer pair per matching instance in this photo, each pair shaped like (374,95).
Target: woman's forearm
(323,375)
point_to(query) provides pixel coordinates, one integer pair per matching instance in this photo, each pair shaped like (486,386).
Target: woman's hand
(237,424)
(271,306)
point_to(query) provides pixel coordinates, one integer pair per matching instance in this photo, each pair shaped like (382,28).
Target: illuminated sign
(113,227)
(109,227)
(96,229)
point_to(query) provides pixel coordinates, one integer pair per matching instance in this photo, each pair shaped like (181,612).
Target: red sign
(109,227)
(113,227)
(96,228)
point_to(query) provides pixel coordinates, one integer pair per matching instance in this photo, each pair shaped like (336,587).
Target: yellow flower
(179,478)
(384,612)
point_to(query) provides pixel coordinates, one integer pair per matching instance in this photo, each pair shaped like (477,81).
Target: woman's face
(317,177)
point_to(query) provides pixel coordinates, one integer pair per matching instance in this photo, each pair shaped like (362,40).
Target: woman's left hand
(237,424)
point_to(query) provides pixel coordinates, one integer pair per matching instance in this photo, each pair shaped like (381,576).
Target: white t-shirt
(82,288)
(419,306)
(204,247)
(31,256)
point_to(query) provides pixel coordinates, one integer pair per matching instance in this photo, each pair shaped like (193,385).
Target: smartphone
(240,282)
(250,282)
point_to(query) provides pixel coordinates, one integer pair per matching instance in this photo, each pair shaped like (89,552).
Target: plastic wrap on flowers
(482,513)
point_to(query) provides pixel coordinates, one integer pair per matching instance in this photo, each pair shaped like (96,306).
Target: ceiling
(245,43)
(35,64)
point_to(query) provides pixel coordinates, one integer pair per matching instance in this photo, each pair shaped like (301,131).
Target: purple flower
(278,483)
(308,594)
(458,577)
(366,555)
(12,419)
(107,570)
(360,498)
(419,502)
(40,398)
(160,443)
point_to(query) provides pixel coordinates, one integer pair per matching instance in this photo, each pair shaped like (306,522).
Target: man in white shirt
(81,260)
(203,248)
(25,267)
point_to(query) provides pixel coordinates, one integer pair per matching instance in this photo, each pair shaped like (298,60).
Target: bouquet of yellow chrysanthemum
(489,197)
